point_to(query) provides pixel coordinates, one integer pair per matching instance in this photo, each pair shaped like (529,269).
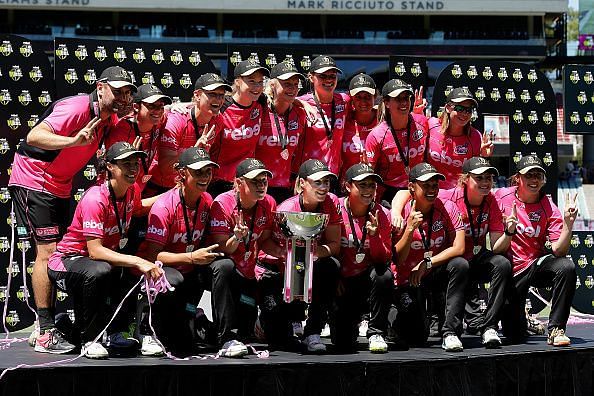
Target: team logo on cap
(176,57)
(81,52)
(502,74)
(100,53)
(70,76)
(532,76)
(415,69)
(547,159)
(167,80)
(15,73)
(487,73)
(589,118)
(158,56)
(305,62)
(574,77)
(235,58)
(525,96)
(62,51)
(25,97)
(195,58)
(119,54)
(495,95)
(271,60)
(185,81)
(4,146)
(510,95)
(547,117)
(540,138)
(472,73)
(5,97)
(517,157)
(517,75)
(14,122)
(90,77)
(12,319)
(78,194)
(588,78)
(139,55)
(61,295)
(457,71)
(44,98)
(6,48)
(480,94)
(525,138)
(539,97)
(253,59)
(574,118)
(26,49)
(33,120)
(4,195)
(35,74)
(148,78)
(24,246)
(533,117)
(90,172)
(582,98)
(23,293)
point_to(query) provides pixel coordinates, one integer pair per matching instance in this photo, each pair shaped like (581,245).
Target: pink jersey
(269,149)
(330,206)
(95,217)
(315,144)
(448,153)
(167,226)
(490,220)
(446,221)
(377,248)
(222,222)
(52,171)
(238,140)
(353,141)
(385,157)
(537,223)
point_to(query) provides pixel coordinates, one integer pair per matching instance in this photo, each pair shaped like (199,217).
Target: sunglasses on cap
(463,109)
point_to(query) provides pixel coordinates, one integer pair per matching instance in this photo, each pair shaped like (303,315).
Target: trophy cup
(300,229)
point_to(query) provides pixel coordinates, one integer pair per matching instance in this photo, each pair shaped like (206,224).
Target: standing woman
(537,246)
(323,138)
(453,139)
(84,264)
(398,143)
(282,126)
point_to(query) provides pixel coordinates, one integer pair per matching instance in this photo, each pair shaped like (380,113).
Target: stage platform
(532,368)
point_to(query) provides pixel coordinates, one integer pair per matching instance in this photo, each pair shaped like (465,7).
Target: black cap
(195,158)
(210,82)
(248,67)
(117,77)
(121,150)
(395,87)
(362,82)
(528,163)
(251,168)
(424,172)
(322,64)
(478,166)
(361,171)
(314,169)
(150,93)
(458,95)
(285,70)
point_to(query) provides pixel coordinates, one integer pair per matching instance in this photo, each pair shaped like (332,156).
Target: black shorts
(41,215)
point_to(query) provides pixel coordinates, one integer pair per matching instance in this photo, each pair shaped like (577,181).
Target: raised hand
(571,210)
(241,229)
(487,144)
(372,224)
(205,255)
(512,220)
(208,135)
(87,134)
(137,143)
(420,102)
(415,217)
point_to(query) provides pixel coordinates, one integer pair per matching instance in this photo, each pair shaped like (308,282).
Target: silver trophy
(300,229)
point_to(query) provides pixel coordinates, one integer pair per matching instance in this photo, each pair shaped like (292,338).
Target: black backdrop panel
(518,91)
(578,99)
(410,69)
(582,253)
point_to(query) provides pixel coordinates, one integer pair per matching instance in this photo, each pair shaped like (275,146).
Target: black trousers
(370,291)
(96,288)
(558,272)
(326,272)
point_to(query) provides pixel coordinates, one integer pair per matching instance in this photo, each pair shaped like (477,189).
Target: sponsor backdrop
(578,99)
(409,69)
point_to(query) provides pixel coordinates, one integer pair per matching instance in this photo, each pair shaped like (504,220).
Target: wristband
(235,239)
(510,233)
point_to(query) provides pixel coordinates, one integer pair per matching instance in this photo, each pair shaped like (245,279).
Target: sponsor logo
(120,54)
(25,97)
(243,132)
(528,231)
(588,79)
(3,293)
(14,122)
(456,71)
(218,223)
(517,75)
(271,61)
(415,69)
(6,48)
(533,117)
(525,138)
(35,74)
(62,51)
(100,53)
(176,57)
(539,97)
(70,76)
(305,62)
(480,94)
(235,58)
(461,149)
(156,231)
(158,56)
(574,77)
(47,231)
(274,141)
(510,95)
(495,94)
(4,146)
(5,97)
(12,319)
(589,118)
(4,244)
(44,98)
(185,81)
(502,74)
(148,78)
(139,55)
(532,76)
(574,118)
(167,80)
(4,195)
(183,238)
(437,242)
(437,225)
(547,159)
(23,293)
(195,58)
(24,245)
(81,52)
(61,295)
(589,241)
(487,73)
(411,153)
(15,73)
(90,77)
(575,241)
(92,224)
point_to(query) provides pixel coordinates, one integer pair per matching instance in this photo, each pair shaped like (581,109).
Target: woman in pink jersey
(282,126)
(453,139)
(433,237)
(366,283)
(537,245)
(86,260)
(202,124)
(398,143)
(323,137)
(361,119)
(175,234)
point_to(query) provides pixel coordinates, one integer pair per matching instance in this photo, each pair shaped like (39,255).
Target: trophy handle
(289,270)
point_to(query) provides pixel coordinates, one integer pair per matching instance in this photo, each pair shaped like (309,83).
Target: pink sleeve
(379,245)
(495,217)
(221,222)
(372,148)
(93,214)
(69,116)
(172,134)
(335,212)
(270,223)
(477,140)
(158,224)
(455,216)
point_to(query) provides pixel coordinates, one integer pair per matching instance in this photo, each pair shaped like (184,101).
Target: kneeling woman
(84,264)
(433,237)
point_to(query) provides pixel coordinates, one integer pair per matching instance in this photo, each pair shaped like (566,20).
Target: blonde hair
(444,120)
(463,179)
(298,189)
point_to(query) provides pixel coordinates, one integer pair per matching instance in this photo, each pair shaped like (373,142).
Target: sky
(574,4)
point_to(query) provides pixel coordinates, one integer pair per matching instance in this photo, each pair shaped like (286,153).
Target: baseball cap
(424,172)
(322,64)
(361,171)
(195,158)
(248,67)
(395,87)
(314,169)
(478,166)
(285,70)
(251,168)
(121,150)
(461,94)
(362,83)
(150,93)
(116,77)
(528,163)
(210,82)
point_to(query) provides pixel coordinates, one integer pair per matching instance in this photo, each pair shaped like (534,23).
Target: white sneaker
(150,347)
(325,331)
(33,336)
(94,350)
(363,326)
(298,329)
(451,343)
(377,344)
(314,344)
(233,349)
(491,339)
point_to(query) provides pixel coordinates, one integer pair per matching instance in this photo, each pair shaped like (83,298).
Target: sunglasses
(463,109)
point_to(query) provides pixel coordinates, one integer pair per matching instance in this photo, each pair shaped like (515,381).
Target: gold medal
(146,178)
(476,250)
(247,255)
(285,154)
(123,242)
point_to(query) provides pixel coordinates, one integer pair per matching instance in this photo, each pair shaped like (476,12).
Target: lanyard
(405,158)
(121,221)
(195,123)
(189,234)
(426,238)
(321,111)
(247,239)
(145,161)
(359,245)
(475,235)
(284,138)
